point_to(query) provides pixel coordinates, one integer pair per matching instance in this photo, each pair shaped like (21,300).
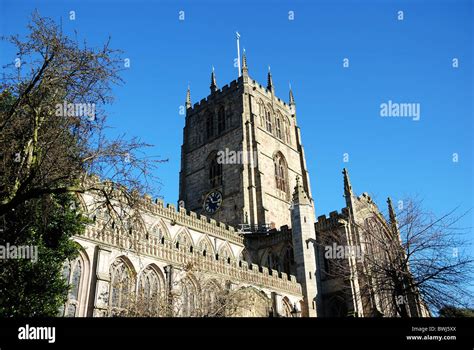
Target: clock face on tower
(212,202)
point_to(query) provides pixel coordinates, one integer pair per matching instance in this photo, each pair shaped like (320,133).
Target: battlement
(192,220)
(325,223)
(237,270)
(263,90)
(232,86)
(184,217)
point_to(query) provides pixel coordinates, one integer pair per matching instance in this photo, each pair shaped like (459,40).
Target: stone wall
(102,246)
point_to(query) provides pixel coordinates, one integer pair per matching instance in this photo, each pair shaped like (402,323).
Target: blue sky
(338,109)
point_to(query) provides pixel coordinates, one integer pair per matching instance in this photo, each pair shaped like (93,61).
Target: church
(243,239)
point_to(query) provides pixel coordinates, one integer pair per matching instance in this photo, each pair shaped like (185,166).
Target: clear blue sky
(337,108)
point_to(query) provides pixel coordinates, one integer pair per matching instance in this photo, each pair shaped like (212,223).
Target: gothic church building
(243,240)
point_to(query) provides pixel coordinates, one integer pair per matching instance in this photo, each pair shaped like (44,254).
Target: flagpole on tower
(238,51)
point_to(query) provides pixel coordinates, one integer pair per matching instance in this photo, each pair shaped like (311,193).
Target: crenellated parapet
(235,270)
(192,220)
(179,216)
(268,94)
(232,87)
(218,94)
(325,223)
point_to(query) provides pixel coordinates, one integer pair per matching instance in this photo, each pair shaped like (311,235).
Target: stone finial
(347,184)
(188,98)
(245,69)
(299,195)
(213,81)
(392,216)
(292,98)
(269,80)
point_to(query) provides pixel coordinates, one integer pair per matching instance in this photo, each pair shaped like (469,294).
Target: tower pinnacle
(392,216)
(299,195)
(213,81)
(347,186)
(292,99)
(269,80)
(245,69)
(188,98)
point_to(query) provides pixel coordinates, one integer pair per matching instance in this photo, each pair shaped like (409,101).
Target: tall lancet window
(72,273)
(215,171)
(288,131)
(186,301)
(281,173)
(278,128)
(149,292)
(209,126)
(121,287)
(221,120)
(268,119)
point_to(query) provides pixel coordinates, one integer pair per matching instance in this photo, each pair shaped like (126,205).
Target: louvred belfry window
(280,173)
(209,126)
(221,120)
(269,120)
(278,128)
(215,173)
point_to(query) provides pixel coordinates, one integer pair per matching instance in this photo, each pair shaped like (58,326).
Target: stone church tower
(241,154)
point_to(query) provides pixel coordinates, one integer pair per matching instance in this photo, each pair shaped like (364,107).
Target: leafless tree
(408,263)
(209,298)
(53,129)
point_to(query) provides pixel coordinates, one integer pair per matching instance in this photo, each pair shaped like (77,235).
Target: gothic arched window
(268,118)
(287,309)
(183,242)
(157,232)
(215,172)
(225,254)
(209,126)
(221,120)
(72,273)
(186,302)
(281,178)
(210,300)
(121,287)
(149,292)
(205,247)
